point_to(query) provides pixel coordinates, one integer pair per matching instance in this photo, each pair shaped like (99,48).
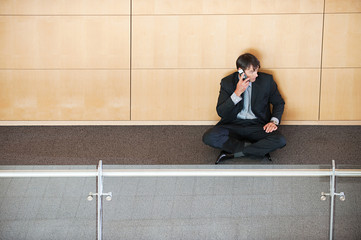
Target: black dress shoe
(224,156)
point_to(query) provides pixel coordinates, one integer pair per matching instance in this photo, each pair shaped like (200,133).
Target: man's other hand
(270,127)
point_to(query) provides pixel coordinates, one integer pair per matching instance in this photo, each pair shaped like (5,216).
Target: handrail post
(100,203)
(332,195)
(100,195)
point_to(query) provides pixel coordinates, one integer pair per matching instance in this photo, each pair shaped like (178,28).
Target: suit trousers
(232,137)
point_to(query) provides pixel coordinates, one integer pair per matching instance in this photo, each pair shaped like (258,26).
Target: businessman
(247,127)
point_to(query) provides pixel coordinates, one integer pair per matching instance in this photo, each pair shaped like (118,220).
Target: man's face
(251,73)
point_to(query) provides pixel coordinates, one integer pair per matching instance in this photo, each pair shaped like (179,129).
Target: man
(244,107)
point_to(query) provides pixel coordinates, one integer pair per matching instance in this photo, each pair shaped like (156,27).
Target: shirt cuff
(236,99)
(275,120)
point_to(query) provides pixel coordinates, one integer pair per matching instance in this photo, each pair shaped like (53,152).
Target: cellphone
(240,71)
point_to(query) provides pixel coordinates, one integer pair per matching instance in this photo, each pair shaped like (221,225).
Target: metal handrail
(184,173)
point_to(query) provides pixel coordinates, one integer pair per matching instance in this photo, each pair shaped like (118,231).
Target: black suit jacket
(264,93)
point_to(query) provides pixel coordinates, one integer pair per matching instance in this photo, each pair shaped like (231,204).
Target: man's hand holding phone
(242,84)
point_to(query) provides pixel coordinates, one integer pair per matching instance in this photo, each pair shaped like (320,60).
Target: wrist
(274,122)
(238,93)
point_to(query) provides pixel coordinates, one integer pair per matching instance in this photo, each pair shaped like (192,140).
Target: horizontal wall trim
(170,14)
(342,13)
(64,69)
(139,123)
(220,14)
(222,68)
(159,68)
(64,15)
(170,68)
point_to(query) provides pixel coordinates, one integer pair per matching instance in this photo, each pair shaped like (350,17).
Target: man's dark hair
(247,60)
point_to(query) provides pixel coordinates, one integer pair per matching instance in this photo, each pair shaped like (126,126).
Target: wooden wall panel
(215,41)
(344,6)
(192,94)
(71,42)
(64,95)
(175,94)
(342,36)
(340,95)
(40,7)
(226,6)
(300,89)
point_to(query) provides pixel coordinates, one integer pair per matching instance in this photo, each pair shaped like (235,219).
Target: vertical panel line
(321,63)
(130,56)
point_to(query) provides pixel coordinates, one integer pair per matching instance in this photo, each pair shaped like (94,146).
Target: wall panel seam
(213,14)
(64,15)
(341,13)
(130,56)
(62,69)
(321,67)
(265,68)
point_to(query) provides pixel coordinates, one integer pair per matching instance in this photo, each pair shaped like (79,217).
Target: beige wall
(65,60)
(163,61)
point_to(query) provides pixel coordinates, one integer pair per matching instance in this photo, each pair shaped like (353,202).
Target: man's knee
(215,137)
(207,137)
(281,141)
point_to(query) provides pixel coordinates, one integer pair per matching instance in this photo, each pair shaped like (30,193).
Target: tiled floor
(47,208)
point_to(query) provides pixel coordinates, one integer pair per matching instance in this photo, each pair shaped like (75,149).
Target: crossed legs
(231,138)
